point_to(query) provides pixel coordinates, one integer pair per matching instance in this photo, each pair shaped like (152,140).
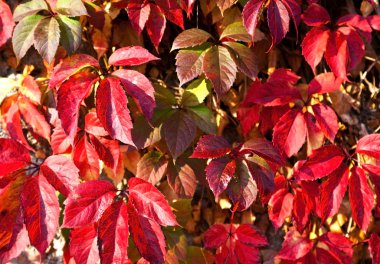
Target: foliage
(183,131)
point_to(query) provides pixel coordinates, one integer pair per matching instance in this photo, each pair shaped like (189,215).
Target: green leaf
(220,68)
(23,35)
(29,7)
(236,31)
(203,118)
(245,59)
(164,97)
(196,92)
(46,38)
(71,8)
(71,32)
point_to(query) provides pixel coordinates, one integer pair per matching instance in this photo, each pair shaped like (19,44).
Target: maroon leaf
(216,236)
(69,66)
(248,235)
(369,145)
(111,108)
(314,46)
(13,156)
(320,163)
(210,147)
(130,56)
(251,13)
(150,203)
(190,38)
(179,131)
(361,197)
(332,192)
(140,88)
(182,179)
(327,120)
(147,236)
(189,63)
(243,190)
(264,149)
(278,20)
(113,233)
(62,173)
(280,207)
(152,167)
(86,159)
(6,23)
(355,46)
(70,96)
(295,246)
(339,247)
(83,245)
(374,248)
(301,211)
(41,211)
(219,173)
(108,151)
(219,68)
(315,15)
(88,203)
(290,132)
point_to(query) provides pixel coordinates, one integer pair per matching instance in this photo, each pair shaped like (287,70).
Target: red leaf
(315,15)
(339,246)
(130,56)
(216,235)
(147,235)
(138,12)
(248,235)
(301,211)
(290,132)
(332,192)
(248,117)
(155,26)
(13,121)
(6,23)
(83,245)
(251,14)
(88,203)
(327,119)
(210,147)
(374,248)
(108,151)
(280,207)
(70,96)
(278,20)
(361,24)
(374,21)
(86,159)
(62,173)
(295,246)
(150,203)
(361,197)
(285,75)
(320,163)
(374,174)
(219,68)
(337,54)
(21,241)
(314,46)
(152,167)
(60,143)
(111,107)
(315,136)
(324,83)
(172,11)
(219,173)
(190,38)
(13,156)
(41,211)
(113,233)
(264,149)
(369,145)
(92,125)
(69,66)
(30,89)
(140,88)
(355,45)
